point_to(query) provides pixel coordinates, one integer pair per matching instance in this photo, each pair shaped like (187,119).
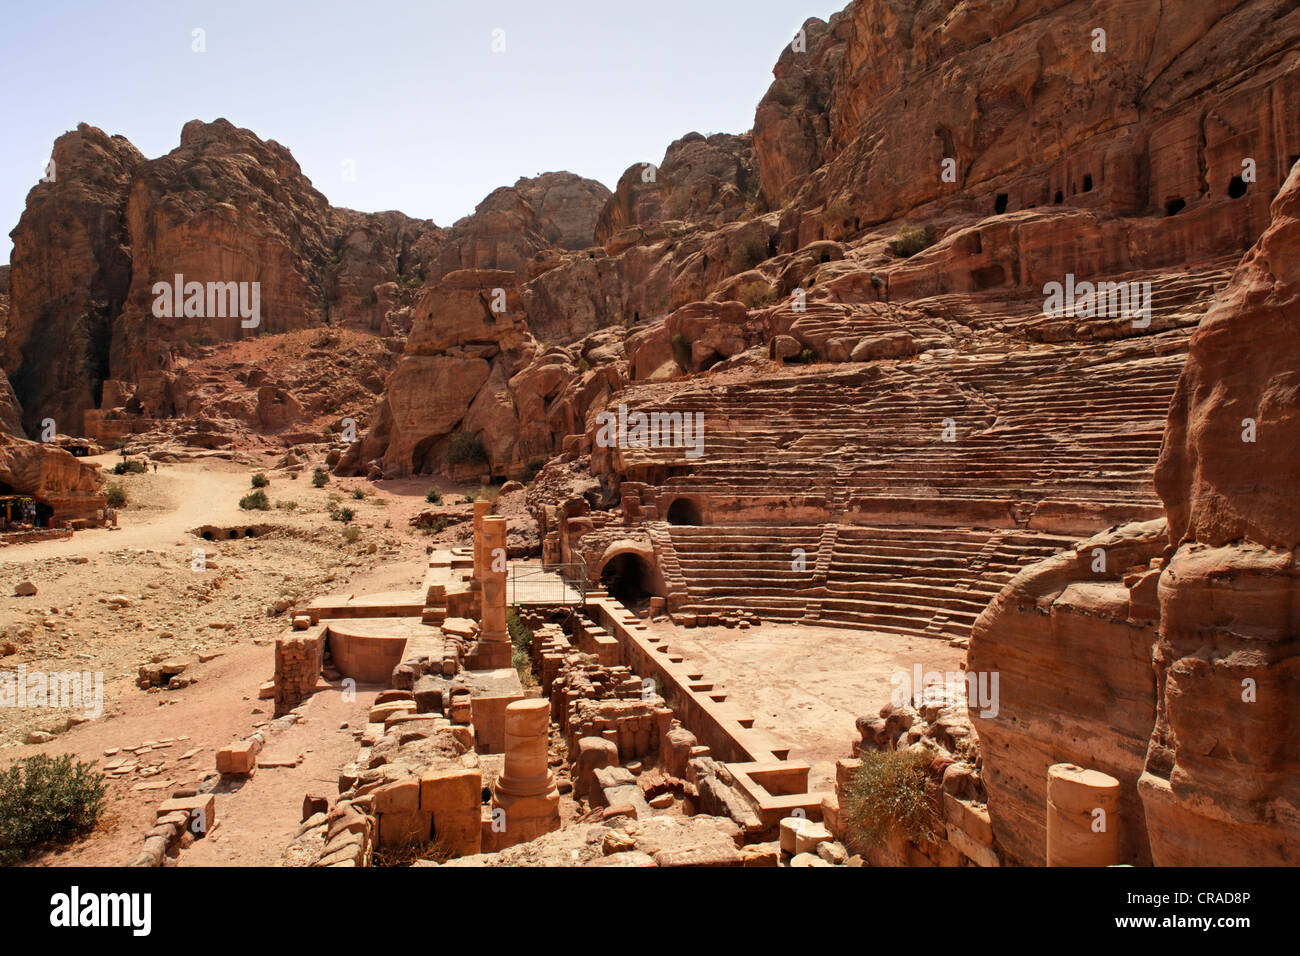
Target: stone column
(1077,834)
(481,510)
(494,640)
(526,789)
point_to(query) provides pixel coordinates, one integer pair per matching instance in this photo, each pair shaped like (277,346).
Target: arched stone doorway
(630,578)
(685,511)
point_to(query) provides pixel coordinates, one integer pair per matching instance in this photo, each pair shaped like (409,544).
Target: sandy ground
(221,619)
(808,685)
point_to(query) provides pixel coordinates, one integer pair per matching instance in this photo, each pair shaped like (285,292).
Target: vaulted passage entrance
(684,511)
(628,577)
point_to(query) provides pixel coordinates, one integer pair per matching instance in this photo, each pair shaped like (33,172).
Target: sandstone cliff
(71,271)
(1166,658)
(1222,780)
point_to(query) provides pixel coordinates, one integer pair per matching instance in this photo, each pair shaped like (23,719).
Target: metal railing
(561,584)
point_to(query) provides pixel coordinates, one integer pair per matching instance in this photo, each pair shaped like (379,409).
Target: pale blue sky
(411,92)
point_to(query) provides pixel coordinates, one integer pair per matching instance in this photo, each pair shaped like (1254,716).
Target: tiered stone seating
(756,568)
(928,482)
(934,581)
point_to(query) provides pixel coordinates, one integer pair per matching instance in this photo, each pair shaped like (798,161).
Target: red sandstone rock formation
(1172,667)
(701,179)
(1222,780)
(71,269)
(52,477)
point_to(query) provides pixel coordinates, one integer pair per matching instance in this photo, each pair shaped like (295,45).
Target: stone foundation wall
(298,658)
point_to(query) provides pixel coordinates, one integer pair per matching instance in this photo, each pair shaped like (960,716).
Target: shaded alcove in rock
(630,578)
(685,511)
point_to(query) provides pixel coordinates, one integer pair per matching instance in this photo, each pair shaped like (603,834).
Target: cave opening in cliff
(686,512)
(1174,206)
(1087,183)
(1058,198)
(1000,204)
(1237,187)
(629,578)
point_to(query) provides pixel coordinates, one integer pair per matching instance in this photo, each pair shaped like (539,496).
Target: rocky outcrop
(224,206)
(1222,780)
(567,206)
(1034,113)
(1070,642)
(516,223)
(71,270)
(792,123)
(51,476)
(701,180)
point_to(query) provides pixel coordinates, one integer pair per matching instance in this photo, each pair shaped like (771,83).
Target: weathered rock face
(701,179)
(515,223)
(11,412)
(377,266)
(71,270)
(1222,781)
(225,206)
(1161,122)
(471,366)
(52,476)
(1070,640)
(792,124)
(567,206)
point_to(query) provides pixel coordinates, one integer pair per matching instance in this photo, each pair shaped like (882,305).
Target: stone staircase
(662,540)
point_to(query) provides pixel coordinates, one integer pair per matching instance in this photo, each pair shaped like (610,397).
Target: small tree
(319,477)
(260,480)
(45,801)
(463,448)
(116,494)
(892,794)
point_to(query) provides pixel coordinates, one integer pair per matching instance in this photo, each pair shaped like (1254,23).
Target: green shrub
(116,494)
(465,449)
(260,480)
(807,356)
(521,640)
(747,254)
(45,801)
(341,514)
(533,469)
(433,496)
(257,501)
(320,477)
(756,295)
(286,505)
(358,494)
(911,240)
(892,794)
(431,525)
(133,466)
